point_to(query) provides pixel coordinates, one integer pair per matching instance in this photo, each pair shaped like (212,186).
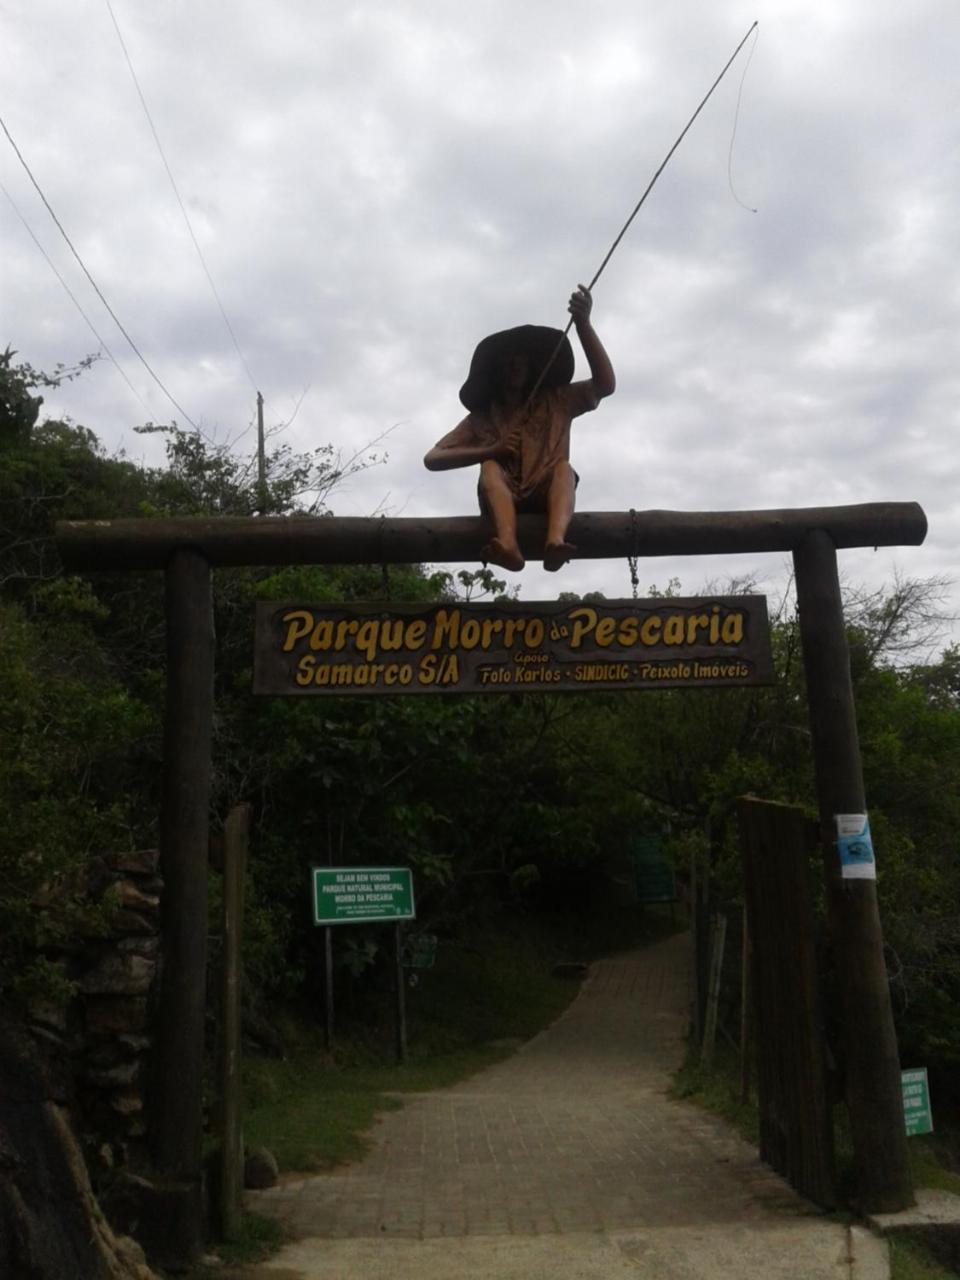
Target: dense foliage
(529,800)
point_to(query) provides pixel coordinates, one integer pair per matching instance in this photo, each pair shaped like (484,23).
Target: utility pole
(261,460)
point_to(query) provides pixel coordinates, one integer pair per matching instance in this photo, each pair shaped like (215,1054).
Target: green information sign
(653,871)
(420,952)
(362,895)
(916,1102)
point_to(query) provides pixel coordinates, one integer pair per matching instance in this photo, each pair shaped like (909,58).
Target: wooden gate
(796,1129)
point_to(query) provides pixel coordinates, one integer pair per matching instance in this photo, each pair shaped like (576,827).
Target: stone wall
(106,1028)
(83,1079)
(51,1227)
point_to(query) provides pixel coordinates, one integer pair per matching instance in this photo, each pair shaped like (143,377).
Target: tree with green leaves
(493,799)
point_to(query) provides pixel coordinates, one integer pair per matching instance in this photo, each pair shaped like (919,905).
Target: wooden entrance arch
(189,549)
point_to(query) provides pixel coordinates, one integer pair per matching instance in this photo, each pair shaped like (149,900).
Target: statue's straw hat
(536,341)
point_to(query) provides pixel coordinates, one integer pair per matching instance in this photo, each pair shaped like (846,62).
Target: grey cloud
(376,186)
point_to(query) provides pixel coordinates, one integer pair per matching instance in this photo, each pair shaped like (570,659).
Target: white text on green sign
(362,895)
(917,1113)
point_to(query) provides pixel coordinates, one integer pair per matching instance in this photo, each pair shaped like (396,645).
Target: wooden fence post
(176,1118)
(717,945)
(746,996)
(328,989)
(796,1122)
(236,834)
(401,995)
(695,939)
(872,1067)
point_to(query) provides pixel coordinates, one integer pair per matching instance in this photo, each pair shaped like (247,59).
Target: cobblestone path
(574,1132)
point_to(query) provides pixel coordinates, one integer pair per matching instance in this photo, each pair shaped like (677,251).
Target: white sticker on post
(855,846)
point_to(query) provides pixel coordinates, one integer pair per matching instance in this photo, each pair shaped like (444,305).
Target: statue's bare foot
(504,555)
(556,554)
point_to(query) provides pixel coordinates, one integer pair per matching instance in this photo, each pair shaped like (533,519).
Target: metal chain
(385,572)
(634,552)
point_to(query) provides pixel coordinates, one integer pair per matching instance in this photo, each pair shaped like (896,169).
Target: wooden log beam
(232,540)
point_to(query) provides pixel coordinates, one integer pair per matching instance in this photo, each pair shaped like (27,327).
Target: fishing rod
(650,185)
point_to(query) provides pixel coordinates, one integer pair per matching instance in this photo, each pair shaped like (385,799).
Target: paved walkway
(567,1160)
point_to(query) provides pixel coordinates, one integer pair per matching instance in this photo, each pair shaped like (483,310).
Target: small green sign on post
(420,952)
(362,895)
(653,871)
(916,1102)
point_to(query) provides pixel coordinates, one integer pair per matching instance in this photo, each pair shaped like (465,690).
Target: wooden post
(746,996)
(872,1067)
(236,834)
(401,997)
(176,1117)
(695,938)
(718,942)
(703,938)
(328,988)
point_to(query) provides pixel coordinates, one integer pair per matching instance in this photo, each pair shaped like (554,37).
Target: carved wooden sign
(511,647)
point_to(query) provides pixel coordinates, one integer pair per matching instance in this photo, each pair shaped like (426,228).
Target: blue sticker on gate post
(855,847)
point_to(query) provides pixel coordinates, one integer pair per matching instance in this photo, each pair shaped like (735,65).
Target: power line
(116,319)
(176,192)
(72,296)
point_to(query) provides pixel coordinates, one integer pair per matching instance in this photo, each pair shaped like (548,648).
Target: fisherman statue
(522,401)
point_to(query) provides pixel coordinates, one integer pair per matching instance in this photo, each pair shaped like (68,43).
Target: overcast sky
(376,186)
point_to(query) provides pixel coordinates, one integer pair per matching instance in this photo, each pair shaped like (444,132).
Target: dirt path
(566,1160)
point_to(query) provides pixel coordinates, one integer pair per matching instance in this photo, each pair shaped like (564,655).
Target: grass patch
(911,1261)
(322,1111)
(928,1170)
(717,1088)
(258,1240)
(309,1114)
